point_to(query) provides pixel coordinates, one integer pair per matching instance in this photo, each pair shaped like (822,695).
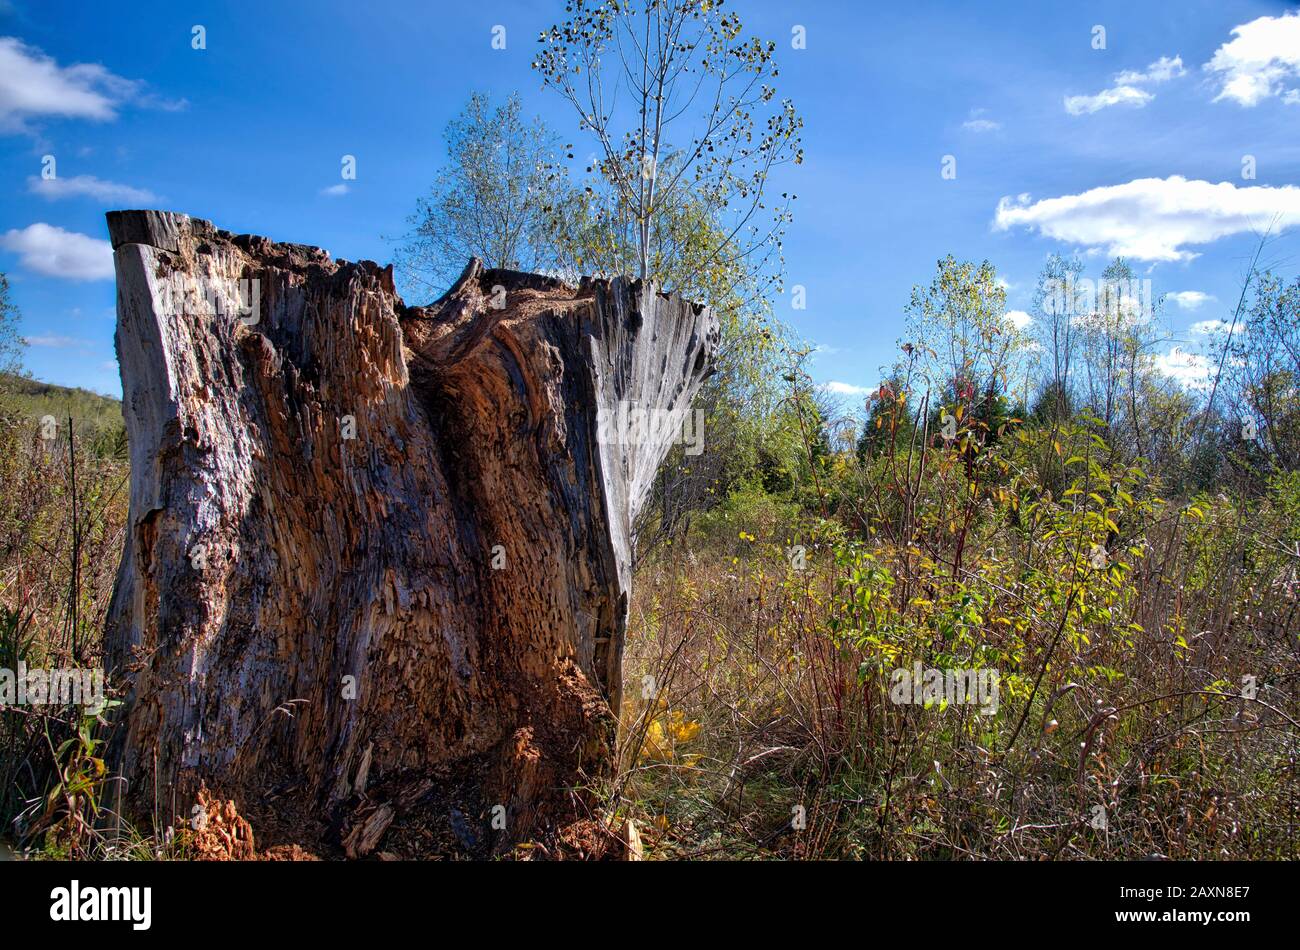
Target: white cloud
(1187,369)
(1262,57)
(846,389)
(54,341)
(55,252)
(1120,95)
(977,122)
(91,187)
(1162,70)
(1213,327)
(1018,319)
(1151,219)
(33,85)
(1189,299)
(1126,91)
(335,191)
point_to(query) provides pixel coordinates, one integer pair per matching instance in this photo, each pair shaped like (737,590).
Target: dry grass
(62,515)
(759,722)
(1135,740)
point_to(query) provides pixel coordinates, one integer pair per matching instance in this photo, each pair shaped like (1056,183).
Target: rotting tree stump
(377,556)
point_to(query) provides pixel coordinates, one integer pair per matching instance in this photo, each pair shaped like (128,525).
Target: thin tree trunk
(378,557)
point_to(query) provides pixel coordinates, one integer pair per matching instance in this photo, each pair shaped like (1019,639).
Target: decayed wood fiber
(270,557)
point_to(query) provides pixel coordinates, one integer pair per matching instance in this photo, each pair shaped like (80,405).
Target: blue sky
(1059,146)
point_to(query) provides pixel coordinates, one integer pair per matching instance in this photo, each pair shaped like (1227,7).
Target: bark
(377,553)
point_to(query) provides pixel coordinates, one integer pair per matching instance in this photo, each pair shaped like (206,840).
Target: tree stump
(374,547)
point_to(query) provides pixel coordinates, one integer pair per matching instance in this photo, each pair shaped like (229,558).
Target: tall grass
(1148,696)
(759,720)
(62,515)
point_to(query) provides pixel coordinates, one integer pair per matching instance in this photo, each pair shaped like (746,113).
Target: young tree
(889,421)
(1119,337)
(491,201)
(1263,370)
(968,348)
(1056,307)
(687,131)
(672,93)
(11,343)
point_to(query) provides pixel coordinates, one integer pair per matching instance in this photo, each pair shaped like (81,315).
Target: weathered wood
(366,834)
(370,544)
